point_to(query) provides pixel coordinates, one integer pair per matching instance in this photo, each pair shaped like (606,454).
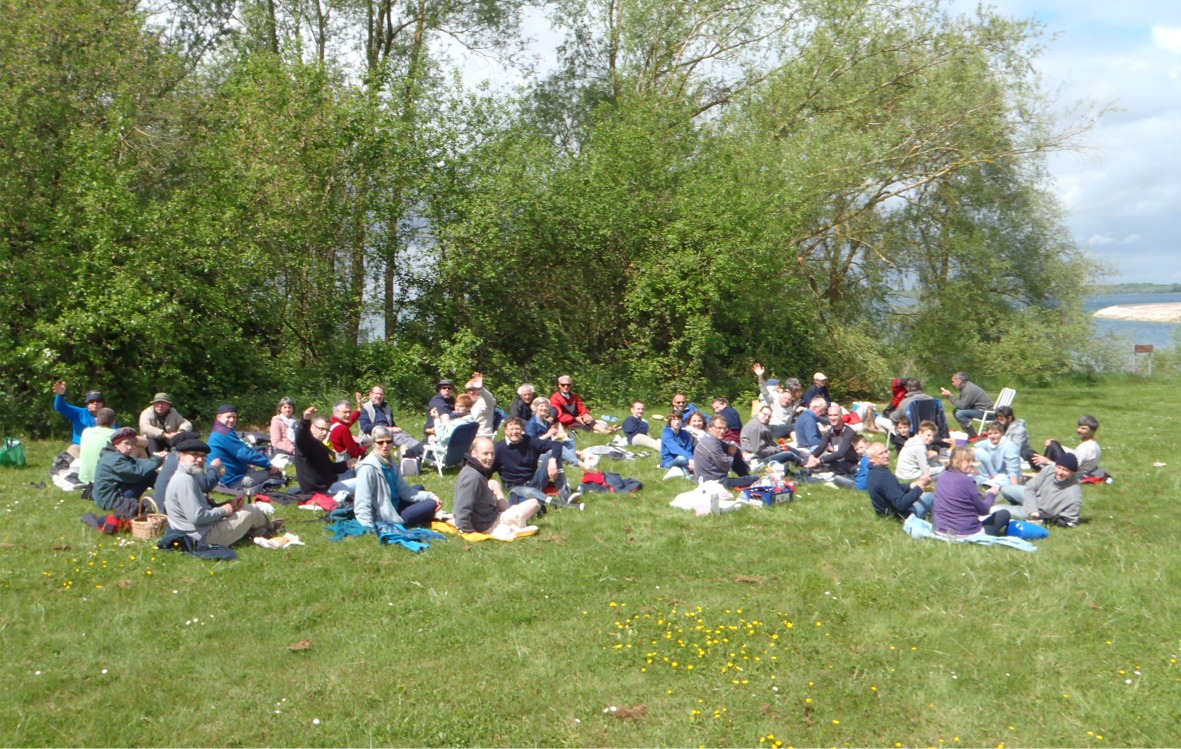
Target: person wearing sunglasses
(572,412)
(383,495)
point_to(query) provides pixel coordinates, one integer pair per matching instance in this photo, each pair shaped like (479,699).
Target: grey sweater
(972,396)
(476,508)
(188,510)
(1054,500)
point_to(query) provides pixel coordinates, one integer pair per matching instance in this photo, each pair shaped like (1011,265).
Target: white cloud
(1130,239)
(1099,240)
(1167,38)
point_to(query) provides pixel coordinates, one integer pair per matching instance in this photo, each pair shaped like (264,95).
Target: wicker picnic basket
(148,526)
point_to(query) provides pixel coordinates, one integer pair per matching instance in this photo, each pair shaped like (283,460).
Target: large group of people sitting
(206,487)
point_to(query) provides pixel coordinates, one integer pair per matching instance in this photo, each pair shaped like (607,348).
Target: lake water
(1159,334)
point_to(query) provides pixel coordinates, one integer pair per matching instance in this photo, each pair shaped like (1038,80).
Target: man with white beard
(190,512)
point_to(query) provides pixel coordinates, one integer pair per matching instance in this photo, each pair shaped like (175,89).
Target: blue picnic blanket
(923,529)
(414,539)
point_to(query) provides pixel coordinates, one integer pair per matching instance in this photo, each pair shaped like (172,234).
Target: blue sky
(1122,191)
(1123,195)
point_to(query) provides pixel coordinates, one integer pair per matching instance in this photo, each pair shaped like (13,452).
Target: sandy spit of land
(1165,312)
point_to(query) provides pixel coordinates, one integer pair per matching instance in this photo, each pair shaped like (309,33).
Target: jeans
(680,461)
(965,415)
(922,506)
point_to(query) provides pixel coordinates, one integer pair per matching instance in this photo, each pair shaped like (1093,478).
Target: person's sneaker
(674,473)
(755,465)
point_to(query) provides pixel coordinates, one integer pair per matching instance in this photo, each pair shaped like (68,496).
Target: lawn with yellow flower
(629,624)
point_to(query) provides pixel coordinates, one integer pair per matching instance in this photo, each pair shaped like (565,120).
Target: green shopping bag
(12,454)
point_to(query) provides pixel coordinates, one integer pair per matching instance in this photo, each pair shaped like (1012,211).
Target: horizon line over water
(1162,335)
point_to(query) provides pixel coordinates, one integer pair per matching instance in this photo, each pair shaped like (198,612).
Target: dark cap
(95,395)
(191,445)
(122,434)
(228,408)
(444,382)
(1067,461)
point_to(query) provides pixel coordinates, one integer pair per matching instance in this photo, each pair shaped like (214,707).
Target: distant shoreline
(1166,312)
(1136,288)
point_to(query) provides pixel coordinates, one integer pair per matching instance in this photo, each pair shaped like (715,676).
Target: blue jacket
(1002,460)
(808,430)
(79,418)
(862,478)
(675,445)
(236,456)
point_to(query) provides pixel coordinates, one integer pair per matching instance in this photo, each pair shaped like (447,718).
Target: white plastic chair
(1004,399)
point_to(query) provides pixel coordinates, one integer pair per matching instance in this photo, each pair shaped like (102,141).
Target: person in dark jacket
(120,480)
(210,475)
(480,505)
(441,404)
(522,406)
(527,465)
(886,493)
(819,389)
(315,468)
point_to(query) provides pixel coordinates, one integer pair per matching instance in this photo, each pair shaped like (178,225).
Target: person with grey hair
(383,495)
(340,434)
(971,403)
(283,425)
(188,508)
(522,406)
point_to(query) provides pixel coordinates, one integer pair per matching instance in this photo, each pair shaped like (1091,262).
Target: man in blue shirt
(79,418)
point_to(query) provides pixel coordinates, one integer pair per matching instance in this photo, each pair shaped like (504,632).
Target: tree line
(233,198)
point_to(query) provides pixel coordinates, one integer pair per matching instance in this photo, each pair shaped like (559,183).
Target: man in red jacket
(572,412)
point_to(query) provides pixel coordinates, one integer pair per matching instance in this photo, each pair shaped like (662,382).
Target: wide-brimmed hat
(162,398)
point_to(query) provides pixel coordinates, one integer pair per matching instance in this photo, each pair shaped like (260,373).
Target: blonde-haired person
(959,503)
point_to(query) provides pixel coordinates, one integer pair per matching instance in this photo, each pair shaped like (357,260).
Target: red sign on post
(1142,348)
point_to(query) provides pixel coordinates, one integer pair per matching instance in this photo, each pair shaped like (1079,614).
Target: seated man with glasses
(442,404)
(714,458)
(572,412)
(315,465)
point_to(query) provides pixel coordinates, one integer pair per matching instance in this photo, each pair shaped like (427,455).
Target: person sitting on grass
(1054,495)
(340,435)
(190,512)
(999,459)
(635,427)
(572,412)
(316,467)
(818,389)
(901,433)
(676,447)
(714,458)
(442,403)
(914,457)
(483,405)
(835,450)
(758,444)
(522,406)
(120,479)
(1088,451)
(480,505)
(782,400)
(94,439)
(722,407)
(383,495)
(887,495)
(1016,431)
(695,425)
(206,481)
(807,427)
(160,422)
(79,418)
(237,458)
(283,426)
(959,504)
(527,465)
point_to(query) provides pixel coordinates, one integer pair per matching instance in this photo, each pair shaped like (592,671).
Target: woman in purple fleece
(959,504)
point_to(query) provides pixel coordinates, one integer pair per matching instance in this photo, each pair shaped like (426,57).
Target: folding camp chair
(457,447)
(1004,399)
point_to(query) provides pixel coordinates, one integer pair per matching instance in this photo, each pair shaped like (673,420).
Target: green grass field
(631,624)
